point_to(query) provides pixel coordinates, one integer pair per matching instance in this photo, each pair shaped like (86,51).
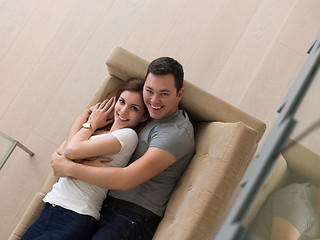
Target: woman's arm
(83,149)
(82,118)
(77,123)
(78,146)
(153,162)
(283,230)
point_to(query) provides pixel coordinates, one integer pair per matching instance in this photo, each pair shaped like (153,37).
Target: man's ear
(180,94)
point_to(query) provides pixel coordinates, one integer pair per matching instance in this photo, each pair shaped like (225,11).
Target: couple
(138,190)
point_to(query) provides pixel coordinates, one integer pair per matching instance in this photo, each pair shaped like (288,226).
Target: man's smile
(155,107)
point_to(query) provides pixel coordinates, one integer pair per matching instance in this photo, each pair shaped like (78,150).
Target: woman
(72,207)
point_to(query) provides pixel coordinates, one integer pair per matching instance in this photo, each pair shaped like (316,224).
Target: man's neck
(156,120)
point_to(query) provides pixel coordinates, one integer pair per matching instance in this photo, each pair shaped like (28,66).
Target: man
(140,191)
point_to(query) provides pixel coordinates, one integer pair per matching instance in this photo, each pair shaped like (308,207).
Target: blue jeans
(61,224)
(120,224)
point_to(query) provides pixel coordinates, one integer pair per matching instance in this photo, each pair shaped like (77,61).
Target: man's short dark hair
(167,65)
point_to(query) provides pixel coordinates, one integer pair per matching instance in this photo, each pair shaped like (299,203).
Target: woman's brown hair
(131,85)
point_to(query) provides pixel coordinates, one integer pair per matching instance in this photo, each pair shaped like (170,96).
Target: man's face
(160,96)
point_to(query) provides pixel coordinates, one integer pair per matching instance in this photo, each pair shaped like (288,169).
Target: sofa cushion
(200,199)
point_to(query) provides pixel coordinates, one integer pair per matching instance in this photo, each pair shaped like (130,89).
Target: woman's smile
(122,118)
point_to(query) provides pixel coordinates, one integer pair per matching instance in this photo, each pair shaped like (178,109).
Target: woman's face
(129,110)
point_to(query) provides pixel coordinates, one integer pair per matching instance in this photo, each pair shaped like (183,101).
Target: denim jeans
(61,224)
(120,224)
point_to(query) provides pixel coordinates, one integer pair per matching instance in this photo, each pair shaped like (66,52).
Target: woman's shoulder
(126,133)
(119,132)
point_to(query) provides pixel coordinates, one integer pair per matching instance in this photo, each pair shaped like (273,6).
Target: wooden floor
(52,58)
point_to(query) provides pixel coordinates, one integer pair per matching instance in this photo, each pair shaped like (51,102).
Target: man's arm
(153,162)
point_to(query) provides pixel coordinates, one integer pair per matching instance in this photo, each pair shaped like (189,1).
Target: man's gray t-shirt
(175,135)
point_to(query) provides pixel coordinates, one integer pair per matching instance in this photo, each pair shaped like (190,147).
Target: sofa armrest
(34,209)
(31,214)
(47,186)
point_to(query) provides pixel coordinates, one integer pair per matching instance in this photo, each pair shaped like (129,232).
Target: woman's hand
(102,113)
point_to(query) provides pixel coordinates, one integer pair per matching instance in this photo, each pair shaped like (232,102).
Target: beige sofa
(226,141)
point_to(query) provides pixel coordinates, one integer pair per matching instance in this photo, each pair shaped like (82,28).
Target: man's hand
(61,165)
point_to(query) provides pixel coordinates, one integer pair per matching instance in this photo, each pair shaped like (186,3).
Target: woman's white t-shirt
(82,197)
